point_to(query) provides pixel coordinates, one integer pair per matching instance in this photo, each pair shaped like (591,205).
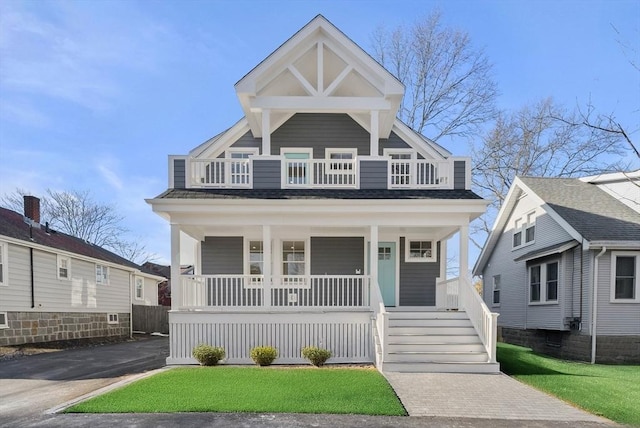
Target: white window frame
(284,173)
(4,324)
(496,286)
(251,282)
(252,151)
(522,225)
(407,252)
(543,283)
(334,167)
(60,259)
(112,318)
(614,256)
(4,257)
(102,281)
(390,152)
(135,287)
(304,279)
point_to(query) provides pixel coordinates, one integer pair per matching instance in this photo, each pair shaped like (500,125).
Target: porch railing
(221,173)
(447,293)
(484,321)
(320,173)
(418,173)
(249,291)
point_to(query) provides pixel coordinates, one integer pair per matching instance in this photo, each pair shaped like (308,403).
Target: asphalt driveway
(34,384)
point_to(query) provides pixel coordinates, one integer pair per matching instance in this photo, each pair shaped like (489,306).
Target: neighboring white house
(321,219)
(563,262)
(57,287)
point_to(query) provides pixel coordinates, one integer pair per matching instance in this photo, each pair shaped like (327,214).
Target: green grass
(252,389)
(610,391)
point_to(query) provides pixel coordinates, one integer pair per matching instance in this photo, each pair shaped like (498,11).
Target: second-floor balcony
(320,173)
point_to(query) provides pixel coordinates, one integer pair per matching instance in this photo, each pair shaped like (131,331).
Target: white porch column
(176,283)
(266,132)
(373,255)
(373,144)
(464,252)
(266,271)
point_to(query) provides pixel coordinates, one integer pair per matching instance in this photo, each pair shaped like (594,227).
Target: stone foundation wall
(35,327)
(570,345)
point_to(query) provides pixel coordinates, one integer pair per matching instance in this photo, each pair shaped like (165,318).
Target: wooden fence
(150,319)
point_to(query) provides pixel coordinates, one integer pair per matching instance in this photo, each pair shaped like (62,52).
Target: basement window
(112,319)
(4,321)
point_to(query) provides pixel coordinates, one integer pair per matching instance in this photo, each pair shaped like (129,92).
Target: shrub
(264,355)
(208,355)
(317,356)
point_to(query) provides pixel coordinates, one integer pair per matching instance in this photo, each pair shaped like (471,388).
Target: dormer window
(524,230)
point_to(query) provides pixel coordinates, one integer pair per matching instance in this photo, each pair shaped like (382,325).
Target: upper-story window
(625,277)
(420,251)
(401,166)
(296,165)
(543,282)
(3,263)
(64,267)
(102,274)
(343,158)
(496,290)
(524,230)
(239,169)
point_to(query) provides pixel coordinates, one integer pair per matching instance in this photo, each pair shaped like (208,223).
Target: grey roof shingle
(317,194)
(592,212)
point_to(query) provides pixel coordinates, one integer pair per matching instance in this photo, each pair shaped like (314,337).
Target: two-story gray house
(562,266)
(321,219)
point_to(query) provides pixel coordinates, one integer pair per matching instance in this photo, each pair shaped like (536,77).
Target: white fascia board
(417,142)
(307,104)
(612,177)
(62,252)
(616,245)
(225,140)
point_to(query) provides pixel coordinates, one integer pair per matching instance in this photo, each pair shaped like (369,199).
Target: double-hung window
(139,287)
(294,262)
(297,166)
(102,274)
(496,290)
(524,230)
(64,267)
(238,169)
(625,277)
(3,264)
(400,167)
(543,282)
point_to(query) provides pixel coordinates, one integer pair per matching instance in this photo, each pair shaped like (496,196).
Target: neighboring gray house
(321,219)
(54,286)
(563,262)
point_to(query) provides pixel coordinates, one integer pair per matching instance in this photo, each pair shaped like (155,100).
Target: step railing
(447,293)
(380,319)
(484,321)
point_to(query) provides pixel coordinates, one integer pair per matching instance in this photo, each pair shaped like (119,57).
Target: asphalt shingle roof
(317,194)
(592,212)
(13,225)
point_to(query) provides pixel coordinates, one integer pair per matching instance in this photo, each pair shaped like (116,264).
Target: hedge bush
(264,355)
(317,356)
(208,355)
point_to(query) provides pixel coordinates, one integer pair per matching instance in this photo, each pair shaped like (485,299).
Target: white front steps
(434,342)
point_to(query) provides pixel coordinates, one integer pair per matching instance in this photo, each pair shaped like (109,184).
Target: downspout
(594,312)
(33,285)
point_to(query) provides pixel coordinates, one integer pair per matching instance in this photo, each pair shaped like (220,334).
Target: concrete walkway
(489,396)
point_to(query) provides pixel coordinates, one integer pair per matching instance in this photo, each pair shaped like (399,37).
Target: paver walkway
(491,396)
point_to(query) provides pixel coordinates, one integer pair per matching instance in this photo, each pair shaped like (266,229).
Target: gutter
(594,311)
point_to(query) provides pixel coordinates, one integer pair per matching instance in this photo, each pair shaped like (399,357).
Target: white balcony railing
(418,173)
(250,291)
(221,173)
(320,173)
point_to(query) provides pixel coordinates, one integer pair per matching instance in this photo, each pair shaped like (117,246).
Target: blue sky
(95,94)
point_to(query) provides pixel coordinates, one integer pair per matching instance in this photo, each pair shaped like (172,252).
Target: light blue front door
(387,272)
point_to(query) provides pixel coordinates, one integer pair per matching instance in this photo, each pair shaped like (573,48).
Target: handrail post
(494,336)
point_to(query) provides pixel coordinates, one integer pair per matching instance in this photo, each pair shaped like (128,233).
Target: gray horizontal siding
(222,255)
(247,141)
(373,174)
(266,174)
(179,174)
(337,255)
(418,280)
(393,142)
(320,131)
(459,175)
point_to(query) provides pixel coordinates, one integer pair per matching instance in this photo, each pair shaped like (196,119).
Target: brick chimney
(32,208)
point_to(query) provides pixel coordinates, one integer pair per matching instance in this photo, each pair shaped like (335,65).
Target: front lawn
(252,389)
(605,390)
